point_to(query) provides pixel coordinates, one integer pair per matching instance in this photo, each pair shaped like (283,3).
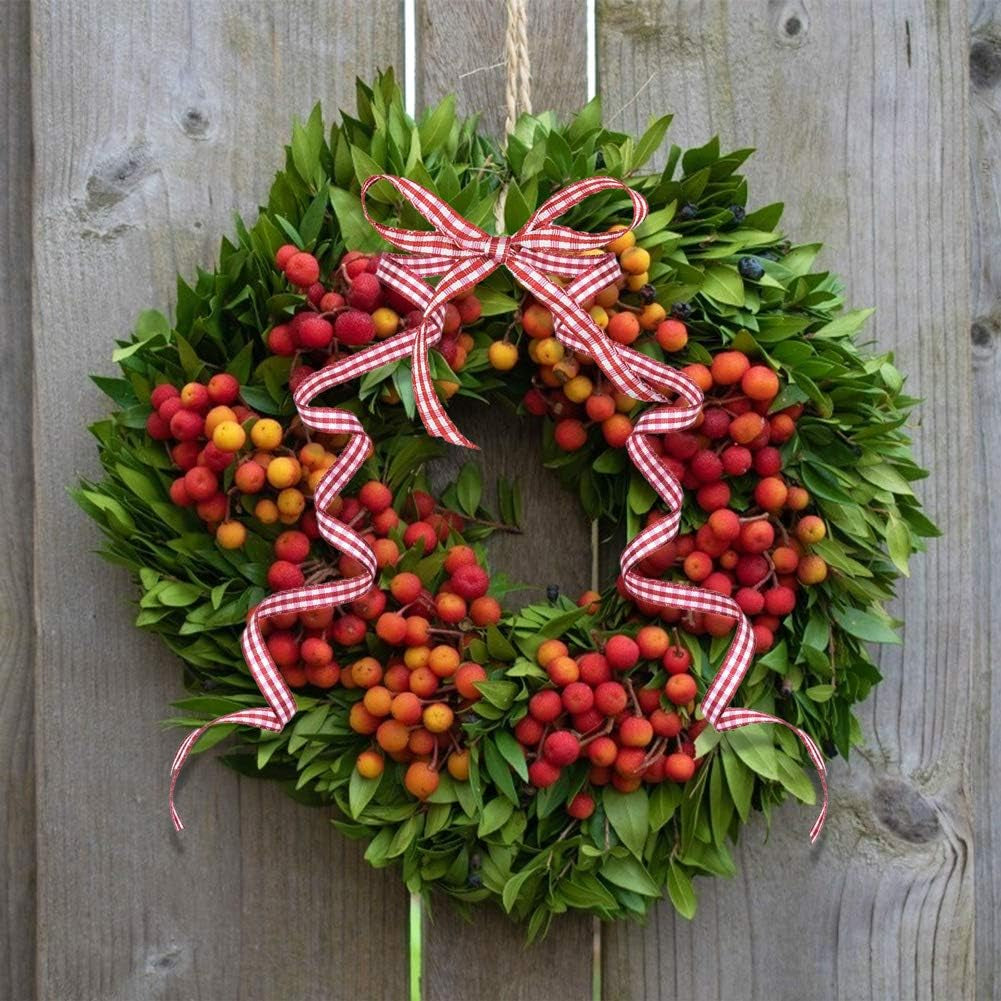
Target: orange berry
(370,764)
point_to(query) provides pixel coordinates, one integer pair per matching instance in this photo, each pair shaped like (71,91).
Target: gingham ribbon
(464,254)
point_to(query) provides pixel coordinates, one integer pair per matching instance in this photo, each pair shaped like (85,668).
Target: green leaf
(513,753)
(469,488)
(498,647)
(495,815)
(436,126)
(898,541)
(355,230)
(680,890)
(629,815)
(630,875)
(498,770)
(755,747)
(724,285)
(865,625)
(650,141)
(494,303)
(360,792)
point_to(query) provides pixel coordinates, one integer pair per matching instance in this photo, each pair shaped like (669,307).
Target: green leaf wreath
(492,835)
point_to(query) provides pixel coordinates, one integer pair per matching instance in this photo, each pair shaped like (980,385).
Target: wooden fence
(133,131)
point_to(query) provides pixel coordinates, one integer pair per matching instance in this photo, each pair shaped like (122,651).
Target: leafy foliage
(487,838)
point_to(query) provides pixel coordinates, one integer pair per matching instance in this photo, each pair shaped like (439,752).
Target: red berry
(223,388)
(665,724)
(706,466)
(736,460)
(780,600)
(313,332)
(365,292)
(545,706)
(353,327)
(621,652)
(677,660)
(570,435)
(680,689)
(542,774)
(284,255)
(157,428)
(561,748)
(528,731)
(283,576)
(578,697)
(470,582)
(292,546)
(280,340)
(610,698)
(302,269)
(635,731)
(375,496)
(420,533)
(594,669)
(679,767)
(581,806)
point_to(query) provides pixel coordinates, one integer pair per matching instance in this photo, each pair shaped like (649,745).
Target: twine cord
(517,83)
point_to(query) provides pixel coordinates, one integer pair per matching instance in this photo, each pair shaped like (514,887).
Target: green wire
(416,946)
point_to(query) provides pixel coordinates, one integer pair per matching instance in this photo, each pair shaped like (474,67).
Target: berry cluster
(754,542)
(417,686)
(627,710)
(352,308)
(568,387)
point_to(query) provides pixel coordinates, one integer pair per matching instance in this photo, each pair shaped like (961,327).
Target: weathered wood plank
(17,774)
(858,111)
(985,215)
(153,124)
(461,51)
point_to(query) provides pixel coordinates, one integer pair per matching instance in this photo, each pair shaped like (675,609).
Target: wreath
(556,756)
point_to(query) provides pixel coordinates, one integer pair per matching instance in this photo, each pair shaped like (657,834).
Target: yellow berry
(625,404)
(548,351)
(578,389)
(446,388)
(266,433)
(621,243)
(312,455)
(231,534)
(215,417)
(503,355)
(229,437)
(386,322)
(266,511)
(283,471)
(635,261)
(291,502)
(635,282)
(599,315)
(416,656)
(651,315)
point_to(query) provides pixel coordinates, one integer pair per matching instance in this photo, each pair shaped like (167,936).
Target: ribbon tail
(734,718)
(436,420)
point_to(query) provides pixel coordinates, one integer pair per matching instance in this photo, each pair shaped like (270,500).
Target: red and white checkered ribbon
(463,255)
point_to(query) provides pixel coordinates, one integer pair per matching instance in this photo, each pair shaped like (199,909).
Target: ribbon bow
(464,254)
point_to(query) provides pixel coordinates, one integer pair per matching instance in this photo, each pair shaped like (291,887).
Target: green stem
(416,946)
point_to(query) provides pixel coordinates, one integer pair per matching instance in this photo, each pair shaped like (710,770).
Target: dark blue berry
(681,311)
(750,268)
(599,160)
(738,213)
(688,212)
(647,294)
(552,592)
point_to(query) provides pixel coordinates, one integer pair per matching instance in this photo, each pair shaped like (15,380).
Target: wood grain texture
(461,51)
(461,47)
(858,111)
(17,777)
(985,335)
(153,123)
